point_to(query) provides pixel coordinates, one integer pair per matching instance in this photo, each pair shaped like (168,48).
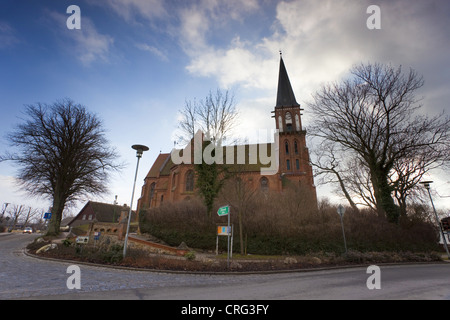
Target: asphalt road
(24,277)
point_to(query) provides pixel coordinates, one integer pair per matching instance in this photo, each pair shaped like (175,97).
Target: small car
(28,230)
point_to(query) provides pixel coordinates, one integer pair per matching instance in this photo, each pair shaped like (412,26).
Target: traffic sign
(47,215)
(223,211)
(341,210)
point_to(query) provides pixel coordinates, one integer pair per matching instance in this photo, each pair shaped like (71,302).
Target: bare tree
(62,154)
(373,117)
(16,212)
(330,169)
(215,116)
(240,194)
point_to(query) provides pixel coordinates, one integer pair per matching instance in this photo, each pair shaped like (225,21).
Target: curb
(231,273)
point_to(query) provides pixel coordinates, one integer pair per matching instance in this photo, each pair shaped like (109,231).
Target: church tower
(293,153)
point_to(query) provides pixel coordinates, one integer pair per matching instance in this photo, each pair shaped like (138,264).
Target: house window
(190,180)
(297,164)
(288,165)
(264,184)
(90,217)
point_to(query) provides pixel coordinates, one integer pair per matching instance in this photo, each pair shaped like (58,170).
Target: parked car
(28,230)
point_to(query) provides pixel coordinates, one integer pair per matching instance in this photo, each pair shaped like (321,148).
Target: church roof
(158,166)
(285,95)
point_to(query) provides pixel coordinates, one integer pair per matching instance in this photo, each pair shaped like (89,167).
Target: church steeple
(285,94)
(287,110)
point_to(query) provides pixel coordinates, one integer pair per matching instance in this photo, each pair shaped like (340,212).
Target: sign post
(225,211)
(341,211)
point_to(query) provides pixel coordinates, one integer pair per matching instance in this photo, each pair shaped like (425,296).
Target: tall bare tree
(373,116)
(62,154)
(215,116)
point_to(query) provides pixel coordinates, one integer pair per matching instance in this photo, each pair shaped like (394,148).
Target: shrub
(281,224)
(190,255)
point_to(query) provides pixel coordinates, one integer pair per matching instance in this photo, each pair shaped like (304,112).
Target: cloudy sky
(135,62)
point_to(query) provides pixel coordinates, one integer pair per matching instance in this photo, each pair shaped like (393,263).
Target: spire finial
(281,54)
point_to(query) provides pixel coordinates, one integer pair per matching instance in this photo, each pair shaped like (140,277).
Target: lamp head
(139,149)
(426,184)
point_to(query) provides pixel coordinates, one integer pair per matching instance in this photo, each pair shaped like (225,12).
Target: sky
(134,63)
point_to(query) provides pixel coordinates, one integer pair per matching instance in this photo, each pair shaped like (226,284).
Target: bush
(275,224)
(190,255)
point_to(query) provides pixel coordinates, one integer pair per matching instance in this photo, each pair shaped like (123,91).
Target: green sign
(223,211)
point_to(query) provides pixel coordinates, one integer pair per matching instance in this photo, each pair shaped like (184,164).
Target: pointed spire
(285,95)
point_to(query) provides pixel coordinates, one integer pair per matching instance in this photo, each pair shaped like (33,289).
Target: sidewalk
(5,234)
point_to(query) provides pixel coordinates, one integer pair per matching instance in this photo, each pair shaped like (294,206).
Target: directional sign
(223,211)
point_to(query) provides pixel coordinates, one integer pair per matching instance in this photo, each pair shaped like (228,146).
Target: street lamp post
(426,184)
(139,151)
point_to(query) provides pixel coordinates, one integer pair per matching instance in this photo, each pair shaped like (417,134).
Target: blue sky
(135,62)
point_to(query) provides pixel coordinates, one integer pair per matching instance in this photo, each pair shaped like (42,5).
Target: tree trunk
(55,221)
(382,191)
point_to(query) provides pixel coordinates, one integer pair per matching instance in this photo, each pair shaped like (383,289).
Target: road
(24,277)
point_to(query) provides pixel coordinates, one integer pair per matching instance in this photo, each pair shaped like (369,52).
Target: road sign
(82,240)
(223,231)
(341,210)
(47,215)
(97,235)
(223,211)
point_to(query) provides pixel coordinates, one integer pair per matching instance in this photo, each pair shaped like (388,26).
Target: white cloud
(129,9)
(8,36)
(86,44)
(153,50)
(10,193)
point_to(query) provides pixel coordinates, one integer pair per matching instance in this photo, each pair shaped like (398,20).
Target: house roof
(104,212)
(285,94)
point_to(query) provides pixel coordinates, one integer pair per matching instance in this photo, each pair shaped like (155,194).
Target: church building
(170,181)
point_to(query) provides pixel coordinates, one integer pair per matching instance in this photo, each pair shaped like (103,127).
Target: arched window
(174,181)
(288,119)
(264,184)
(297,123)
(152,190)
(286,147)
(280,124)
(189,181)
